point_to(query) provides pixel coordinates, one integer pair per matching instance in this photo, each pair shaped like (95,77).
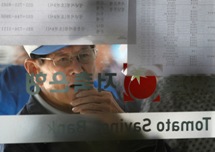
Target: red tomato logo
(140,87)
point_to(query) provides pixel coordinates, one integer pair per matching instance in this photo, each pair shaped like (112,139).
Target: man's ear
(31,66)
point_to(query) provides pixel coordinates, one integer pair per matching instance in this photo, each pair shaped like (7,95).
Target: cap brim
(47,49)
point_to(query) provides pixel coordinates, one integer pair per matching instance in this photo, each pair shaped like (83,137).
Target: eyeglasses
(84,57)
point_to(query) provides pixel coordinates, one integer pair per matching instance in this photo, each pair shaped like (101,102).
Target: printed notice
(63,21)
(174,37)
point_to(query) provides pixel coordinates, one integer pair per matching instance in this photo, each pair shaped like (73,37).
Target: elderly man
(71,61)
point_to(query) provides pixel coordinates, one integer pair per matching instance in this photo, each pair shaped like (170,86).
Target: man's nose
(76,66)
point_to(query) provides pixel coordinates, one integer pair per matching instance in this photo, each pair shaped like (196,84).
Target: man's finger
(86,93)
(86,100)
(91,107)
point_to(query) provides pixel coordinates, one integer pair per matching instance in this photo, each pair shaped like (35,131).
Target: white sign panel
(53,128)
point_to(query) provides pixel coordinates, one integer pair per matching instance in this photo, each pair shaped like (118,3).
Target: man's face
(70,71)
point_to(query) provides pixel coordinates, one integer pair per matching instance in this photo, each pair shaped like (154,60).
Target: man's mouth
(74,85)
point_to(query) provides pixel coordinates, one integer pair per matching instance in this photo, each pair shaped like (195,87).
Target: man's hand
(93,102)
